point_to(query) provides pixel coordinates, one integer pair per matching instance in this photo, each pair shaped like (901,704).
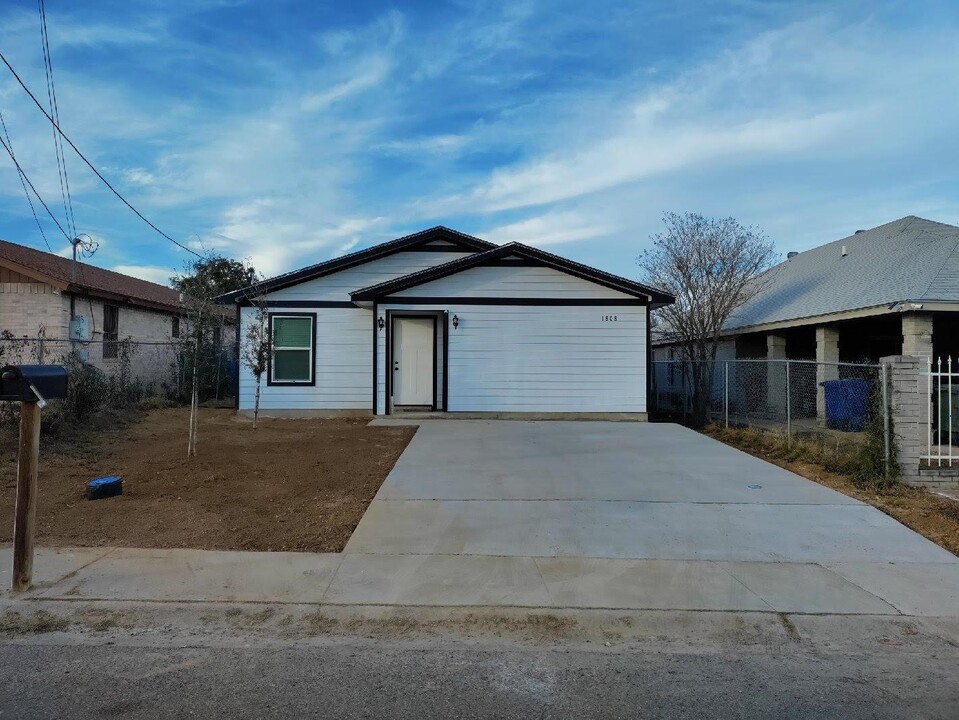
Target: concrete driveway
(602,514)
(615,490)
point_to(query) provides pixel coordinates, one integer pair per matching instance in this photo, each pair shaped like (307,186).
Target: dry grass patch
(13,623)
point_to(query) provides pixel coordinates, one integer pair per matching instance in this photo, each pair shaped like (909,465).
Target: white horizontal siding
(339,285)
(344,365)
(524,358)
(513,282)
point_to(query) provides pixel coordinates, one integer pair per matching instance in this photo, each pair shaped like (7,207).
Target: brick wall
(26,307)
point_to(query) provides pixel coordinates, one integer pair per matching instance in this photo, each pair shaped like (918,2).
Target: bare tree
(713,266)
(256,347)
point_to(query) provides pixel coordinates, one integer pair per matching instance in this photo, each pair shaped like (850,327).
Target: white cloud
(449,144)
(276,238)
(781,122)
(642,152)
(139,176)
(159,275)
(370,74)
(549,229)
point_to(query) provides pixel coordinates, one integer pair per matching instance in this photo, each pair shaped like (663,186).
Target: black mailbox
(33,383)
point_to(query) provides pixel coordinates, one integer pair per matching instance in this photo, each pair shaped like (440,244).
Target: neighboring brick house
(36,293)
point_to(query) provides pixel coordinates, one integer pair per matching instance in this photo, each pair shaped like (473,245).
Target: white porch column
(776,373)
(827,351)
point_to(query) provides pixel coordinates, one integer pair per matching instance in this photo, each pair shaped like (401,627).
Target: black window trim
(292,383)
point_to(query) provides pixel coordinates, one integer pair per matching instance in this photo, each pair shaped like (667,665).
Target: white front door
(413,354)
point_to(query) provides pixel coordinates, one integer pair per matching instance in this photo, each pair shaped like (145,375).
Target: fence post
(884,371)
(682,376)
(726,392)
(789,432)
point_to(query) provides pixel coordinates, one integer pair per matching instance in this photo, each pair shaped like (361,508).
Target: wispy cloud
(290,137)
(550,229)
(370,74)
(159,275)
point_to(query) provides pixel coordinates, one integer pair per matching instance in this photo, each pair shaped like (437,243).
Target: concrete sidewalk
(443,580)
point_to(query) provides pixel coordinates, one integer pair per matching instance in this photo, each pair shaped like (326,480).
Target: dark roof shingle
(90,278)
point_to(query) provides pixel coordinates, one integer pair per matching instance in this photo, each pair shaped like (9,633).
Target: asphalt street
(442,679)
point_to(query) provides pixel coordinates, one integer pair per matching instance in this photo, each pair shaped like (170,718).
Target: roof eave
(440,232)
(576,269)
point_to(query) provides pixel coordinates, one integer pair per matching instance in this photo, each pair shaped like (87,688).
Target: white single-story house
(440,321)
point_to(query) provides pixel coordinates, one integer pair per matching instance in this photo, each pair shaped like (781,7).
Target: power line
(33,209)
(89,164)
(55,109)
(27,178)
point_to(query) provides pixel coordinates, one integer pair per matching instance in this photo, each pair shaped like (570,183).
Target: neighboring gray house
(890,290)
(441,321)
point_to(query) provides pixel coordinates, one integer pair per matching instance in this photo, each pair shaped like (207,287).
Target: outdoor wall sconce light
(381,323)
(456,321)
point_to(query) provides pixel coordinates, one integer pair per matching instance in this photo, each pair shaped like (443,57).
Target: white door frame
(394,315)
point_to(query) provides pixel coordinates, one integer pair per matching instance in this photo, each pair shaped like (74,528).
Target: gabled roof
(630,287)
(438,234)
(907,260)
(57,271)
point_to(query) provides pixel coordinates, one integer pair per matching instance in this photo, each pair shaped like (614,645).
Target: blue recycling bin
(846,402)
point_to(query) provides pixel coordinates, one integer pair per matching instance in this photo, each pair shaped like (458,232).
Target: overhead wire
(23,184)
(26,177)
(89,164)
(55,110)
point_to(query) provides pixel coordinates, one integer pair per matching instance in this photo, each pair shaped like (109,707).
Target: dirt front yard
(288,485)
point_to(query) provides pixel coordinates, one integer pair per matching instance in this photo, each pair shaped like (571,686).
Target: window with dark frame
(111,331)
(176,327)
(293,345)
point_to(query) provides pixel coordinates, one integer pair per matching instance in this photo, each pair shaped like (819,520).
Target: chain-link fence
(119,373)
(792,396)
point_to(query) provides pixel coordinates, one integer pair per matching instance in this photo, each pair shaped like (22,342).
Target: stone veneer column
(917,335)
(907,400)
(917,343)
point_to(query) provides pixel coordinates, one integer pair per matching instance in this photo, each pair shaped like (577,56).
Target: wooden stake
(24,520)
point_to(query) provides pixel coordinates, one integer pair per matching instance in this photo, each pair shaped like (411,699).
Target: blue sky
(291,132)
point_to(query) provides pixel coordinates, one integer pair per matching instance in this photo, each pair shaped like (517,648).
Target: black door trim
(390,316)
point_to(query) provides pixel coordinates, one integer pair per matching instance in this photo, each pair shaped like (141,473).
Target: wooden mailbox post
(30,385)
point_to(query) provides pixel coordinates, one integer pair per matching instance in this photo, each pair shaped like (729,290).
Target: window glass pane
(290,365)
(292,332)
(111,323)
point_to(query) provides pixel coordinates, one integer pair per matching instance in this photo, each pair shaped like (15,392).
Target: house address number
(610,318)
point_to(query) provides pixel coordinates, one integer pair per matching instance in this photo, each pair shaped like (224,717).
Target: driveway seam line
(855,584)
(333,575)
(763,600)
(539,570)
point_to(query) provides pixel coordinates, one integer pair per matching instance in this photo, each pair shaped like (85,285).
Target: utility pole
(71,332)
(87,245)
